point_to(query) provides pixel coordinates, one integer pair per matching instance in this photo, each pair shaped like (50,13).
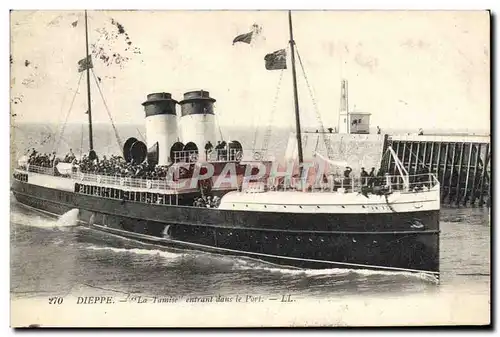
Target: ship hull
(382,241)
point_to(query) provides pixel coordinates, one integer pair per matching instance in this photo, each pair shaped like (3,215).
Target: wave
(68,219)
(33,220)
(366,273)
(221,262)
(139,251)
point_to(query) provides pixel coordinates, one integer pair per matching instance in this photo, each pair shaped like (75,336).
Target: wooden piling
(424,157)
(474,184)
(445,167)
(466,190)
(410,158)
(460,176)
(452,167)
(417,159)
(387,142)
(394,172)
(438,169)
(483,175)
(404,155)
(457,163)
(431,159)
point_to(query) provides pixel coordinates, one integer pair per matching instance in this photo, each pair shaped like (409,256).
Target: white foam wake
(68,219)
(139,251)
(338,272)
(31,220)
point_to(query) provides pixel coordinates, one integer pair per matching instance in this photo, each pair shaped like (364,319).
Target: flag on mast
(276,60)
(245,38)
(85,63)
(249,37)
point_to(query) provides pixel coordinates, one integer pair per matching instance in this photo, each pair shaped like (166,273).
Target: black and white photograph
(250,168)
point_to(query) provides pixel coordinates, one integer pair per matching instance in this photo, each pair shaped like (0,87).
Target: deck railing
(389,183)
(160,184)
(39,169)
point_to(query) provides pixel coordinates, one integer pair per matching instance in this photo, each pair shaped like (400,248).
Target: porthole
(318,207)
(284,206)
(300,206)
(343,206)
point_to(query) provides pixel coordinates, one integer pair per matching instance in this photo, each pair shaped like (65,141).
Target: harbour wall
(461,163)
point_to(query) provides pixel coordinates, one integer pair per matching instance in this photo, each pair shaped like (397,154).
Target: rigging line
(107,110)
(254,144)
(51,131)
(67,114)
(267,135)
(140,134)
(81,144)
(218,126)
(273,109)
(318,117)
(418,159)
(60,113)
(53,136)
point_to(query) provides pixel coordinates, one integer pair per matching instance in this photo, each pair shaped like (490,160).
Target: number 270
(56,300)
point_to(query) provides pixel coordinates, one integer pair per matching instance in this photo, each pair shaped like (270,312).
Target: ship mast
(295,95)
(88,63)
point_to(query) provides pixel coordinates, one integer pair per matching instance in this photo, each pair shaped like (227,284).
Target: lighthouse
(197,120)
(161,124)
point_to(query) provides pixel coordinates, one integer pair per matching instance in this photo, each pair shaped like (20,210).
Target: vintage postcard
(249,168)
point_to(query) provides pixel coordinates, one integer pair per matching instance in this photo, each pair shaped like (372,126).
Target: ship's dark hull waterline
(318,241)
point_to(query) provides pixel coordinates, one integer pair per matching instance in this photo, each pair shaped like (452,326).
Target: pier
(461,163)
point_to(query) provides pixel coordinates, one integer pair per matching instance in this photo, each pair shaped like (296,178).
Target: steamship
(391,226)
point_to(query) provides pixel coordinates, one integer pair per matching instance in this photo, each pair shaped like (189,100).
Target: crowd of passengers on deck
(108,166)
(207,201)
(36,158)
(117,166)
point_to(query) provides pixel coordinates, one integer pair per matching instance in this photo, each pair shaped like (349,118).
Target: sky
(408,69)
